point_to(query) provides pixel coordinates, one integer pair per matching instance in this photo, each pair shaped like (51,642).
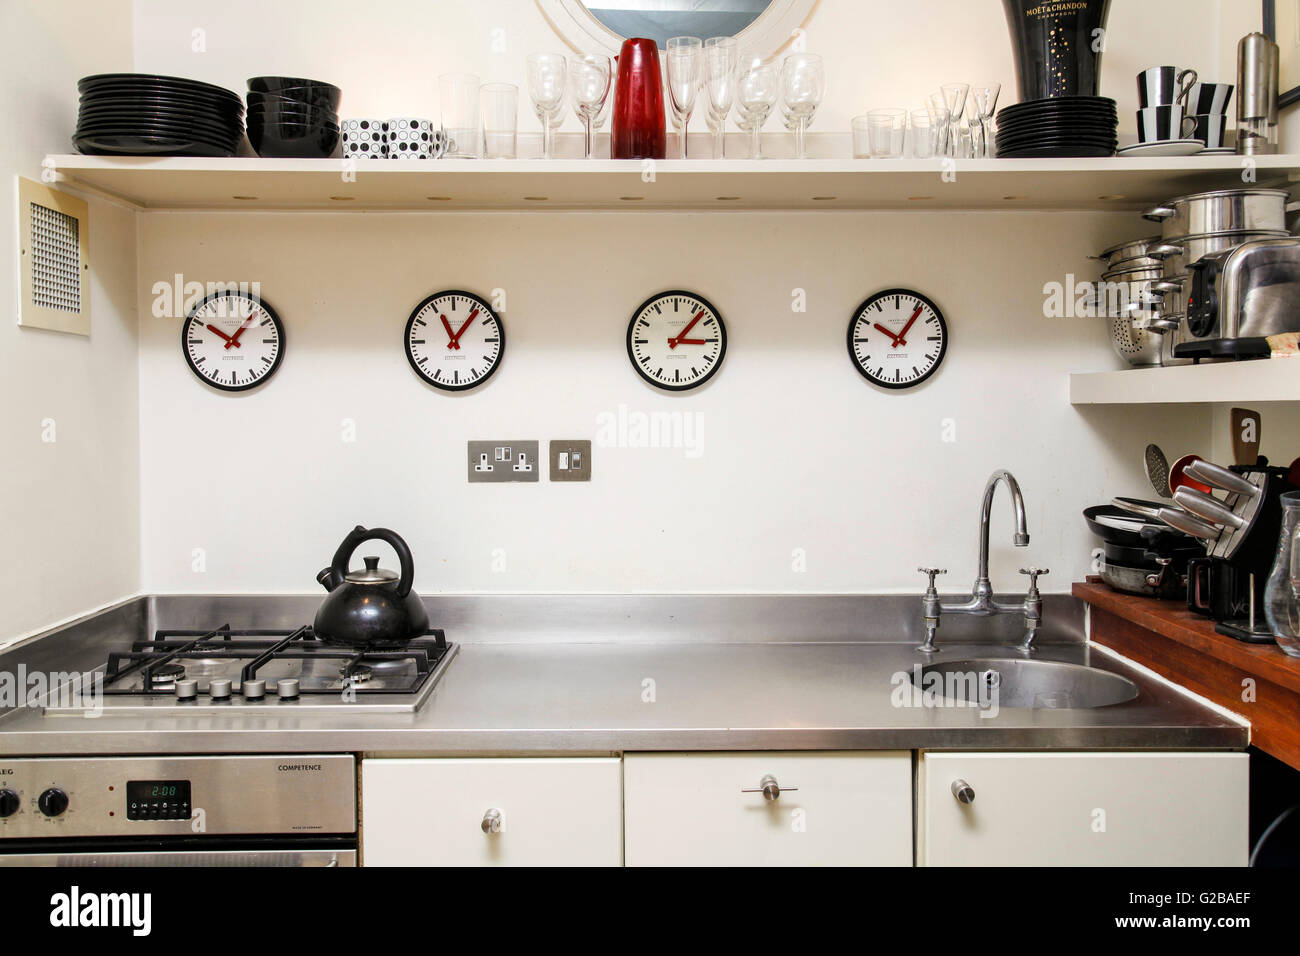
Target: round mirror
(600,26)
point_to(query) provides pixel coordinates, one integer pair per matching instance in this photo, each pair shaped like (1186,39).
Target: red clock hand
(902,336)
(892,336)
(234,339)
(456,338)
(451,336)
(212,328)
(680,338)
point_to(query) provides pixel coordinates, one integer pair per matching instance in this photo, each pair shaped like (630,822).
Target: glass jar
(1282,596)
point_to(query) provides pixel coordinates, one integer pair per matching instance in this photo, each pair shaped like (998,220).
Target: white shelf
(239,182)
(1262,380)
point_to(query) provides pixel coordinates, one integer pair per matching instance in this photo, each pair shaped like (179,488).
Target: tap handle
(932,572)
(1034,574)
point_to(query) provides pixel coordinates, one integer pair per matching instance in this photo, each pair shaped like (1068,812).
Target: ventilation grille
(56,260)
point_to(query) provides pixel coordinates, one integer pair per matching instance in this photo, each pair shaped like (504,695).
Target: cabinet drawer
(849,808)
(430,812)
(1084,809)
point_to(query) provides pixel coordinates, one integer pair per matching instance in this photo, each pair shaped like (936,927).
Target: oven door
(191,857)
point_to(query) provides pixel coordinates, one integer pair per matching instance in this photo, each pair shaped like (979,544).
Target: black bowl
(310,115)
(314,92)
(295,96)
(293,140)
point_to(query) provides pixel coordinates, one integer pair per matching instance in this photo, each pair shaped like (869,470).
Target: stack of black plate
(138,114)
(1060,126)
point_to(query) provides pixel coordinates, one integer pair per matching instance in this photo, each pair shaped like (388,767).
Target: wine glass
(547,74)
(803,83)
(685,59)
(757,90)
(721,58)
(984,101)
(954,97)
(588,88)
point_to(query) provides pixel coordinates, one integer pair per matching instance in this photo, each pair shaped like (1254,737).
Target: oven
(214,810)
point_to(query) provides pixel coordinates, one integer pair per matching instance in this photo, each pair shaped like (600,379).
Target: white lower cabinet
(1083,809)
(834,808)
(521,811)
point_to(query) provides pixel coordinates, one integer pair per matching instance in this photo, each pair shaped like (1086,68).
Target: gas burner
(164,676)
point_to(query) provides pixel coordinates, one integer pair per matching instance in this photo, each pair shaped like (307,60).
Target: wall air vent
(53,236)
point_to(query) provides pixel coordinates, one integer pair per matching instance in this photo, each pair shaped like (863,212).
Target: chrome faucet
(982,601)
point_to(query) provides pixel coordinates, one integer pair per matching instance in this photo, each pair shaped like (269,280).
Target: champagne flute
(547,74)
(984,98)
(685,58)
(803,83)
(954,97)
(589,88)
(757,90)
(721,59)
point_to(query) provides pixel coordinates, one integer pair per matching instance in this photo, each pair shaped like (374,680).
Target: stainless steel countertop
(565,698)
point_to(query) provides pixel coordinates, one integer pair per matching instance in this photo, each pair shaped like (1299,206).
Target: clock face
(676,340)
(234,341)
(897,338)
(454,340)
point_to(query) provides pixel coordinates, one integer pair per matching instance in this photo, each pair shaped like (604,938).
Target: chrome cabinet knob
(769,788)
(963,791)
(492,821)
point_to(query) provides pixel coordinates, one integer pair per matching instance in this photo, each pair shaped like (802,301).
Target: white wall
(70,509)
(798,451)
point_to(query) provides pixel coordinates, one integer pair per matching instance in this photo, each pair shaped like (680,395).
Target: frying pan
(1116,526)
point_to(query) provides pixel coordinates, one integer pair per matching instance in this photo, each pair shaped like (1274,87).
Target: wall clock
(676,340)
(897,338)
(233,340)
(454,340)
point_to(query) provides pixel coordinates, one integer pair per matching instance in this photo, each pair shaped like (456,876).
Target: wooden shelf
(1262,380)
(239,182)
(1182,646)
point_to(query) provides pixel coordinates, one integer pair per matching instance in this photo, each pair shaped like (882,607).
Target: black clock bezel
(885,294)
(261,304)
(722,334)
(406,340)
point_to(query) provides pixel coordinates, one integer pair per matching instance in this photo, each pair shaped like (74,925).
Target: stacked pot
(1129,299)
(1197,225)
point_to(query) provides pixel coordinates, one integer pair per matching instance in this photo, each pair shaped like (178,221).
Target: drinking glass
(887,131)
(685,68)
(861,128)
(460,96)
(499,104)
(926,132)
(1282,593)
(547,74)
(589,88)
(757,90)
(939,106)
(721,60)
(984,101)
(803,83)
(954,97)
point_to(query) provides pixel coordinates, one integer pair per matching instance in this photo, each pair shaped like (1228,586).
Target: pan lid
(372,573)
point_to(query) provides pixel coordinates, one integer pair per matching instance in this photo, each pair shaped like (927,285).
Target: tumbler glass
(460,100)
(499,104)
(887,130)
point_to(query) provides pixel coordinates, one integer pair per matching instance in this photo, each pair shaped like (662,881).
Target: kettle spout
(326,579)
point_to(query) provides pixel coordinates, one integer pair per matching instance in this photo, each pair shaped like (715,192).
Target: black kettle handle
(354,540)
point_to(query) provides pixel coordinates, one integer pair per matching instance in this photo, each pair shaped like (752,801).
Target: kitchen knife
(1219,477)
(1188,524)
(1207,507)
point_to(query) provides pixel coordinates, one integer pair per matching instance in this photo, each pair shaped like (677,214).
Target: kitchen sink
(1037,684)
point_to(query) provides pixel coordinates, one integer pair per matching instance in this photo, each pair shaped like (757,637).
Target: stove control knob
(287,688)
(253,689)
(187,689)
(219,688)
(52,802)
(9,803)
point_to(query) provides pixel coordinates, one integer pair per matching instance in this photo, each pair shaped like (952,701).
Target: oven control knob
(9,803)
(253,689)
(286,688)
(52,802)
(219,688)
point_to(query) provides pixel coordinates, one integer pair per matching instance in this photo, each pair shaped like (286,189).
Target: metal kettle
(372,607)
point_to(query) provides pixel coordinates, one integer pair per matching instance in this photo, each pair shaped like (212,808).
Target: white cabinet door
(849,808)
(552,812)
(1084,809)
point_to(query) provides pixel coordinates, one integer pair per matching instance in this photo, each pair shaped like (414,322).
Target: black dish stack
(1058,65)
(141,114)
(293,118)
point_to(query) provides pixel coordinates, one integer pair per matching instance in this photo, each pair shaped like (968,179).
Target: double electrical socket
(501,461)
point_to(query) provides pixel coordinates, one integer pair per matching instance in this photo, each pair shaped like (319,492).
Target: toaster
(1241,296)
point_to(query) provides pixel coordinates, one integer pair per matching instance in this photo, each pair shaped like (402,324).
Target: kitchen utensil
(803,83)
(1240,297)
(1157,469)
(1171,147)
(1222,211)
(757,90)
(459,95)
(1164,86)
(1172,517)
(1178,478)
(1138,346)
(1207,507)
(374,607)
(1211,129)
(638,124)
(588,88)
(684,57)
(1211,98)
(721,61)
(1247,429)
(499,108)
(1161,124)
(1128,255)
(365,138)
(1055,46)
(1282,591)
(547,79)
(1257,101)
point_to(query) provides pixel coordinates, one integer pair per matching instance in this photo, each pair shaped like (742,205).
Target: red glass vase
(638,130)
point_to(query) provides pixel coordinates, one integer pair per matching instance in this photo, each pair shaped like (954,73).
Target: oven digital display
(157,799)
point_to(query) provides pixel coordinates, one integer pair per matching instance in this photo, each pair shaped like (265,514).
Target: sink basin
(1038,684)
